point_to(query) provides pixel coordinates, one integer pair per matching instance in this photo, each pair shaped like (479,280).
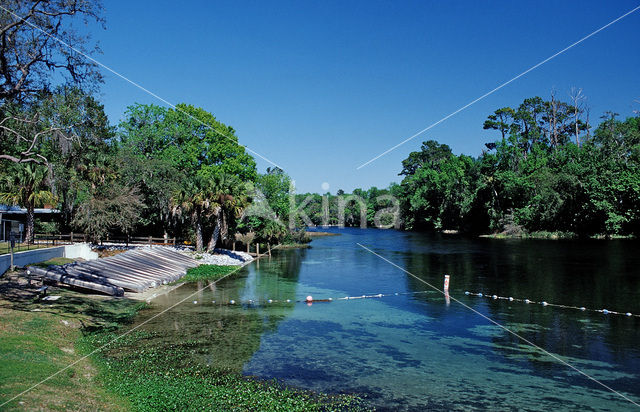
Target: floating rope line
(309,299)
(545,303)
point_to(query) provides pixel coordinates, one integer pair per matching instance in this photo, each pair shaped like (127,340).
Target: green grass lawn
(38,339)
(5,247)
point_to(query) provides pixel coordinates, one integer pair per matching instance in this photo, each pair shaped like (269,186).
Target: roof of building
(17,210)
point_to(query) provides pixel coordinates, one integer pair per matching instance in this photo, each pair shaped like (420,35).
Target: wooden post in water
(257,249)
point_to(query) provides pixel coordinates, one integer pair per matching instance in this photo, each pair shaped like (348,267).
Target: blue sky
(320,88)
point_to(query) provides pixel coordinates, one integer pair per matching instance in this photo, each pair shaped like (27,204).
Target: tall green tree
(176,156)
(229,198)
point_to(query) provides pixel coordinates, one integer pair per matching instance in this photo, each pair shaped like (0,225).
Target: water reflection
(219,334)
(415,351)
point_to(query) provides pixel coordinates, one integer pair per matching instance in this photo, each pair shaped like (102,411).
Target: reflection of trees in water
(276,278)
(225,336)
(596,274)
(593,274)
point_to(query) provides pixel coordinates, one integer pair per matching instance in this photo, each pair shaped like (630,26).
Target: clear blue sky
(322,87)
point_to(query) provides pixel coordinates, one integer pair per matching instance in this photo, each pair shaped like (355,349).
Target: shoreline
(121,377)
(556,236)
(322,234)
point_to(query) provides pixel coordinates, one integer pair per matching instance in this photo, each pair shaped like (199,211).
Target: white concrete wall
(80,251)
(75,251)
(30,257)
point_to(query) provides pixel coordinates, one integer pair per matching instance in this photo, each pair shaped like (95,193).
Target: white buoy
(309,298)
(330,298)
(495,296)
(446,283)
(466,293)
(582,308)
(232,301)
(510,299)
(270,301)
(213,301)
(480,294)
(527,301)
(605,311)
(195,302)
(628,313)
(544,303)
(288,300)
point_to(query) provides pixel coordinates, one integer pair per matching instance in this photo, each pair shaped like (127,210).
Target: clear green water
(415,352)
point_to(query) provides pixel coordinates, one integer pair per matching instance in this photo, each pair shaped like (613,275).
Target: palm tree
(26,185)
(229,198)
(272,231)
(195,200)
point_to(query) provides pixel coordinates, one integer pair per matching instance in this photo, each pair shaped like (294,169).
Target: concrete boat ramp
(135,270)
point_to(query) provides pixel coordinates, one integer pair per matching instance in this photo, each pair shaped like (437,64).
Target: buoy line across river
(309,300)
(545,303)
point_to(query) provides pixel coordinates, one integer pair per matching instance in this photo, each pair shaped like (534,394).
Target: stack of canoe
(135,270)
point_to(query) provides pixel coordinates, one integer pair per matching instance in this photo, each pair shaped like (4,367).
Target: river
(411,349)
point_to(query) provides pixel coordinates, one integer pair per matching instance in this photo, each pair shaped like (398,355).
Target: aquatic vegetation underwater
(168,377)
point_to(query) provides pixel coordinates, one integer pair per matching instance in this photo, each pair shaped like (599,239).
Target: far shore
(552,236)
(320,234)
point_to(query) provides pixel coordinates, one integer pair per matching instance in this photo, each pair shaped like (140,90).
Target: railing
(37,243)
(51,240)
(127,240)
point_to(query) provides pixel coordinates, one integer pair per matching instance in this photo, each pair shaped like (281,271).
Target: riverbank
(550,235)
(321,234)
(39,338)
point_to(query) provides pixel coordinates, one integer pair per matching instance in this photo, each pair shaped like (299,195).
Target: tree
(27,186)
(272,232)
(275,186)
(229,199)
(177,156)
(30,55)
(195,201)
(114,206)
(430,153)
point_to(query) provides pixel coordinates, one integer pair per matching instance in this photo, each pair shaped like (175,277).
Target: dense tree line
(361,208)
(549,172)
(546,171)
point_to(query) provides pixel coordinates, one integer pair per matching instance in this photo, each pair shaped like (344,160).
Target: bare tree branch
(29,55)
